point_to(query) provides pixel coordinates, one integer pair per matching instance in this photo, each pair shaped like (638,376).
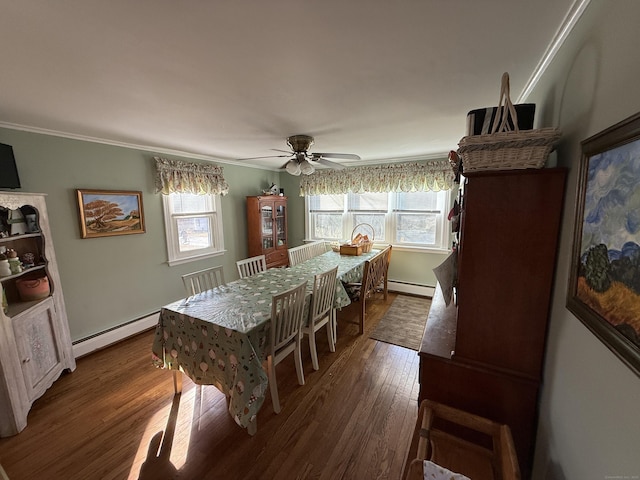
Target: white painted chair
(203,280)
(251,266)
(321,312)
(317,248)
(287,310)
(298,254)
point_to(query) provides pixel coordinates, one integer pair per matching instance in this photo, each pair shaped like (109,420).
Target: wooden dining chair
(251,266)
(321,312)
(374,278)
(287,310)
(203,280)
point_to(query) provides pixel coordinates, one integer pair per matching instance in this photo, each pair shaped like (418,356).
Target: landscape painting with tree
(604,284)
(109,212)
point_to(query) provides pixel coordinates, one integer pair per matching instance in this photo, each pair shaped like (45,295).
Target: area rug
(403,324)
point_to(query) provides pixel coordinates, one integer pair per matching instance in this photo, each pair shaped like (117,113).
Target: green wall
(589,426)
(113,280)
(110,281)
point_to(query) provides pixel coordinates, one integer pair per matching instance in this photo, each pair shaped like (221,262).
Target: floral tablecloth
(219,337)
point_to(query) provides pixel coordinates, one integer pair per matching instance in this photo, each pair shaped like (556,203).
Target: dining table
(220,336)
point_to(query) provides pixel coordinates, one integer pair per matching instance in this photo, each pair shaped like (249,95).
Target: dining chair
(317,248)
(251,266)
(287,309)
(203,280)
(374,278)
(298,254)
(321,312)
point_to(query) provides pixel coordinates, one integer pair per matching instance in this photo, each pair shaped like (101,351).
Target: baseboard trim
(100,340)
(411,289)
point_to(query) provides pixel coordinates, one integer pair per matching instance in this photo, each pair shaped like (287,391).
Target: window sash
(392,224)
(187,242)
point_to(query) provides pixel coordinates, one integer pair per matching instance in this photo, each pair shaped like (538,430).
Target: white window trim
(175,257)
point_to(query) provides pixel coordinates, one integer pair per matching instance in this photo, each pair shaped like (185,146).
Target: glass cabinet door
(281,225)
(266,211)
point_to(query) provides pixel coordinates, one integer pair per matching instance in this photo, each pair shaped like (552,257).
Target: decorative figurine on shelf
(17,222)
(14,262)
(28,260)
(5,269)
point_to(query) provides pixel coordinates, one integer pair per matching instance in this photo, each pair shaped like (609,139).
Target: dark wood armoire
(484,352)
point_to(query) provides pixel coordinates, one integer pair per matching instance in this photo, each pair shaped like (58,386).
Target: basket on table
(365,241)
(506,149)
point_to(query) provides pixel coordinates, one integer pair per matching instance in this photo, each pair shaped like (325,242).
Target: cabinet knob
(26,360)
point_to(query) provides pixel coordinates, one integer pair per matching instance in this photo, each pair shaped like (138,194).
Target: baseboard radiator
(97,341)
(411,288)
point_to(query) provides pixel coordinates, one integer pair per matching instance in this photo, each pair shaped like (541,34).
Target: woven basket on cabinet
(505,149)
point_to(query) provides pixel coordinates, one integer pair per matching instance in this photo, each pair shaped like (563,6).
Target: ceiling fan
(301,159)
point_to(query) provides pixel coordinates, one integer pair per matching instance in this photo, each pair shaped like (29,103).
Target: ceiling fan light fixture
(293,168)
(306,168)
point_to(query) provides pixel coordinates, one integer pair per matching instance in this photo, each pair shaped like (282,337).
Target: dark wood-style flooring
(116,417)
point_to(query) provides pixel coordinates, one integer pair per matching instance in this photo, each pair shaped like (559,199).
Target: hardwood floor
(116,417)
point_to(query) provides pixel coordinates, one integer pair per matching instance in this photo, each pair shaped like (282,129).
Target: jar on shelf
(5,268)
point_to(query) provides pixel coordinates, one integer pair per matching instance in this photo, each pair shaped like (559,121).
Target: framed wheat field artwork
(604,282)
(110,212)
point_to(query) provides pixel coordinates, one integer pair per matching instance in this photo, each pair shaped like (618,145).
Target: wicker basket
(505,149)
(366,245)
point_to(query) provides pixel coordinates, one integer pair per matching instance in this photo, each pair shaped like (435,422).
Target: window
(411,219)
(193,225)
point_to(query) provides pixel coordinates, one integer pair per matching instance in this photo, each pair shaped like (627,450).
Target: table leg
(252,428)
(177,381)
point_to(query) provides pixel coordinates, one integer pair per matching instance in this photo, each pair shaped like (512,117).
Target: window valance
(433,175)
(176,176)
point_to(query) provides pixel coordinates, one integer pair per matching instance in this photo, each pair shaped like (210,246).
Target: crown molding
(570,20)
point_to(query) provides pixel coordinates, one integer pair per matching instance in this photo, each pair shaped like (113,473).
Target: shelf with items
(35,343)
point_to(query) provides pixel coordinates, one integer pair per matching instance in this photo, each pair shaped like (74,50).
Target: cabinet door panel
(507,259)
(37,342)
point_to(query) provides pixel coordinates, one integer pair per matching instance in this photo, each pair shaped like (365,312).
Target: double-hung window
(409,219)
(193,225)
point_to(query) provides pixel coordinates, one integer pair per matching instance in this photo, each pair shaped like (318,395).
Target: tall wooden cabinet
(35,345)
(267,228)
(485,354)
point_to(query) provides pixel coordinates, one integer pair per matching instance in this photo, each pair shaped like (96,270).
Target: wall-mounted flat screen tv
(8,169)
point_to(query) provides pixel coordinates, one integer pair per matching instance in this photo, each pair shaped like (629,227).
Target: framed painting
(110,212)
(604,282)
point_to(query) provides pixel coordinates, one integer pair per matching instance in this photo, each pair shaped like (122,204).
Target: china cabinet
(267,228)
(484,353)
(35,345)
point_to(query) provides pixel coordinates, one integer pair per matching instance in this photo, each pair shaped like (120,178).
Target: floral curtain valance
(434,175)
(176,176)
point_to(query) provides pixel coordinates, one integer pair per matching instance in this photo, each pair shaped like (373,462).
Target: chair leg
(273,386)
(332,344)
(297,354)
(362,312)
(312,349)
(334,320)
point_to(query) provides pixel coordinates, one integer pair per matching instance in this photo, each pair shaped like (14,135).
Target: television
(8,169)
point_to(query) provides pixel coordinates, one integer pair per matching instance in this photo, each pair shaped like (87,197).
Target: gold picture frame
(105,213)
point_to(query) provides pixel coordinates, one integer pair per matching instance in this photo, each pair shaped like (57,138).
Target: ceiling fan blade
(346,156)
(283,151)
(267,156)
(328,163)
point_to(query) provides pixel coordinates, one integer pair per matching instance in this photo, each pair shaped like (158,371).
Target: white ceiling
(230,79)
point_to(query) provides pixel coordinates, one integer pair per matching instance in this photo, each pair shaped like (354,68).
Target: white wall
(589,425)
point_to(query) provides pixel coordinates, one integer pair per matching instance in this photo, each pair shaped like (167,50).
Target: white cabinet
(35,345)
